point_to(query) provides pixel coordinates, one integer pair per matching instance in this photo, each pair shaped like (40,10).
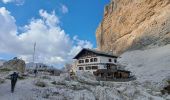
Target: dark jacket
(14,76)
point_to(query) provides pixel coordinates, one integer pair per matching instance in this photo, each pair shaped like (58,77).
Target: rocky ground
(151,68)
(83,87)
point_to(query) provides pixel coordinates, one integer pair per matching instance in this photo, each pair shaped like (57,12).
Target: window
(95,59)
(91,60)
(108,66)
(110,60)
(81,68)
(88,68)
(81,61)
(94,67)
(115,60)
(87,60)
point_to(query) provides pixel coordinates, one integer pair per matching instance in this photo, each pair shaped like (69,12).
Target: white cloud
(7,1)
(50,19)
(64,9)
(79,45)
(17,2)
(54,46)
(8,30)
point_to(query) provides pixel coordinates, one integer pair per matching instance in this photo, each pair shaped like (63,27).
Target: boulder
(15,64)
(87,78)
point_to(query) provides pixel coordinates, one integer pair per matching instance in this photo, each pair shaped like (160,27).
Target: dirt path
(23,90)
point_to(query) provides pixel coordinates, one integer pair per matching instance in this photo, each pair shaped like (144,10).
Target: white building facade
(91,60)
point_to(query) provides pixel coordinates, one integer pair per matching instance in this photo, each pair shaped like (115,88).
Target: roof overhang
(95,52)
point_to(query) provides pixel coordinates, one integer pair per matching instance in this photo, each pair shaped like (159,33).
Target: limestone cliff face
(134,24)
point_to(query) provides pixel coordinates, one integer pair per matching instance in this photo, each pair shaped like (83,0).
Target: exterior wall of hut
(113,75)
(90,70)
(121,74)
(124,74)
(104,59)
(100,63)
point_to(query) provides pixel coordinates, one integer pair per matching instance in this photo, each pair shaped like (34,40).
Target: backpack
(14,76)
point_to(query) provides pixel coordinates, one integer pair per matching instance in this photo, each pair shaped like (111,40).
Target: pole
(34,54)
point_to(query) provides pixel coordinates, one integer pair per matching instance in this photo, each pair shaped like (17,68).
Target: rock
(134,24)
(64,76)
(1,63)
(15,64)
(40,83)
(83,95)
(168,97)
(66,94)
(55,72)
(87,78)
(107,93)
(2,80)
(59,97)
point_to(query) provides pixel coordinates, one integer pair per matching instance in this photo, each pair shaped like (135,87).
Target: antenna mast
(34,54)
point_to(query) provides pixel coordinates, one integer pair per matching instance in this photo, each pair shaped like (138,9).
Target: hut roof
(95,52)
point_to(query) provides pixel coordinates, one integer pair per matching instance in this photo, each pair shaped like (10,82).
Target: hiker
(35,72)
(14,77)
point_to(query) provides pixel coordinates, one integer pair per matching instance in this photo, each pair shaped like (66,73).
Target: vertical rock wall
(134,24)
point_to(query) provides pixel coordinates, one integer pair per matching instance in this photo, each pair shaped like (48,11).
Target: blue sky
(78,19)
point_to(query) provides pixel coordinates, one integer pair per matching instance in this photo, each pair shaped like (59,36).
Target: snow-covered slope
(152,65)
